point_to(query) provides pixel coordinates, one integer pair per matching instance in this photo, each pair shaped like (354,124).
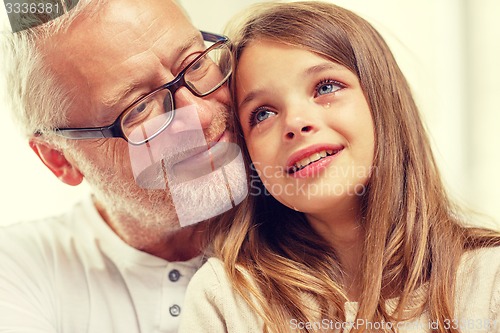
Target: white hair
(38,102)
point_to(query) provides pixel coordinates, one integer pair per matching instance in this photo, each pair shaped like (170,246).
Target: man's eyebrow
(121,93)
(115,98)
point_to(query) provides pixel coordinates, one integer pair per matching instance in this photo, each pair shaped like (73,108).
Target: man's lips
(312,154)
(184,152)
(206,159)
(186,163)
(199,152)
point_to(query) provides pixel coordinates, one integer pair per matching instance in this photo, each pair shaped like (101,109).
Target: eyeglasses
(150,115)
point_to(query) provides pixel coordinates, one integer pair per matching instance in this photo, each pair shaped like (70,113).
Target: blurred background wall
(449,51)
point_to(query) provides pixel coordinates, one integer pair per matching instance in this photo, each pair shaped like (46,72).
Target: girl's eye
(259,115)
(327,87)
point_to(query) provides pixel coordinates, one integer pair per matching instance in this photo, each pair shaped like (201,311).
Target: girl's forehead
(339,55)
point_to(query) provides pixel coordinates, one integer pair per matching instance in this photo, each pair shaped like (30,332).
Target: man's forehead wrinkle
(179,50)
(152,23)
(155,49)
(119,94)
(147,31)
(138,76)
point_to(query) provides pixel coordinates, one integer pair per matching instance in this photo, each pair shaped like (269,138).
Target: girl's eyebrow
(323,67)
(249,97)
(313,70)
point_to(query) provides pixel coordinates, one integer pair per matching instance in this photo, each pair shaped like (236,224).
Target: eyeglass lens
(152,115)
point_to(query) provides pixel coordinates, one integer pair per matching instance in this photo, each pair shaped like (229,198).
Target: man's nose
(204,108)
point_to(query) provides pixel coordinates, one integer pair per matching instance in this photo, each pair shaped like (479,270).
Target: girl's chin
(308,204)
(320,204)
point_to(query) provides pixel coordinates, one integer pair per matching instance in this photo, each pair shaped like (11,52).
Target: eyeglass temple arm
(88,133)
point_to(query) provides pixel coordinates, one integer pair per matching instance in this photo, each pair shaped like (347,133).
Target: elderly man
(126,95)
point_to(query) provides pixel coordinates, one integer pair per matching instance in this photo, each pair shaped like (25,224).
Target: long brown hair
(414,235)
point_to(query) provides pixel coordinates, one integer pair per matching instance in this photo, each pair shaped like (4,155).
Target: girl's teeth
(313,158)
(303,162)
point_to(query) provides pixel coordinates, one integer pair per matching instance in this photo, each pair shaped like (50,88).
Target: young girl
(347,225)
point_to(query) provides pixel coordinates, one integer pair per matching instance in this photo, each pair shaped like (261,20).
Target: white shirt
(74,274)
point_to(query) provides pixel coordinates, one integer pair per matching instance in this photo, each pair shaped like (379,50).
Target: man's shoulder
(53,226)
(48,236)
(35,228)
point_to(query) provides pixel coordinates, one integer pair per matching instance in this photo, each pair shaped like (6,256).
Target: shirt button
(174,275)
(175,310)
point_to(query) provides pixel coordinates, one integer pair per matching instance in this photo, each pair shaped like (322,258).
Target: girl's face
(307,125)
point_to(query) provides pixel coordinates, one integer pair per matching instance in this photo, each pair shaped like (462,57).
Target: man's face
(108,61)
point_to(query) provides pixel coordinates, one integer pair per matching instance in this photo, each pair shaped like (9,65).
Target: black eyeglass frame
(115,129)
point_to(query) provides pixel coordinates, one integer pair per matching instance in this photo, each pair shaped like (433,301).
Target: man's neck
(179,244)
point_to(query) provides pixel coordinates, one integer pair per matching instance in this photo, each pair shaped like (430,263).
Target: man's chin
(211,194)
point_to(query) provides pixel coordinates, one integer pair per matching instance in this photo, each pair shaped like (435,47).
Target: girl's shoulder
(212,272)
(212,275)
(213,305)
(210,280)
(481,263)
(478,285)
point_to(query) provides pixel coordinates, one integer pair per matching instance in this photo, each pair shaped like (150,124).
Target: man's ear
(55,160)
